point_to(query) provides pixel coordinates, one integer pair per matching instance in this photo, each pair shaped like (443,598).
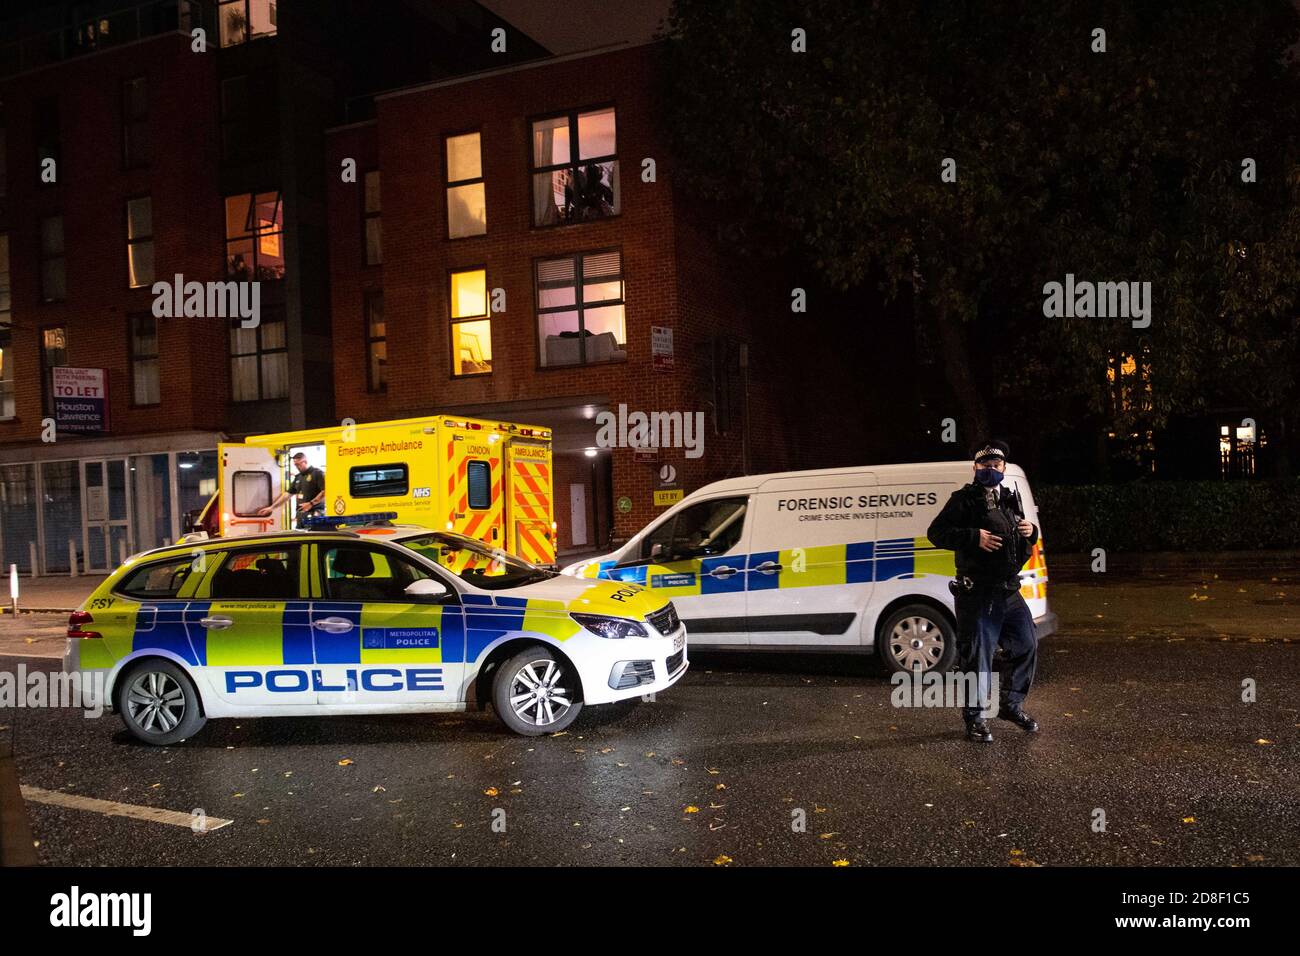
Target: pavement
(751,759)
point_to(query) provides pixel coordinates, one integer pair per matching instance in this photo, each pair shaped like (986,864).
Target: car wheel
(159,703)
(536,692)
(917,638)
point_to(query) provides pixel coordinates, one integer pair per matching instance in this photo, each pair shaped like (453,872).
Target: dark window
(580,309)
(48,135)
(6,335)
(135,122)
(376,343)
(259,362)
(575,167)
(466,200)
(54,278)
(54,354)
(479,474)
(708,528)
(236,119)
(254,237)
(145,387)
(159,581)
(378,481)
(373,238)
(352,572)
(257,575)
(139,241)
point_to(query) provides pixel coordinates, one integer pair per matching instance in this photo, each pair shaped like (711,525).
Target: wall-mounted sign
(624,505)
(668,496)
(80,399)
(650,455)
(661,347)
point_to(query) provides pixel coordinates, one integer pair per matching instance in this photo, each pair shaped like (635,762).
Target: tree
(1116,165)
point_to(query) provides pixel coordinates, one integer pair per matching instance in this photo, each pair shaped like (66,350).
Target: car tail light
(76,625)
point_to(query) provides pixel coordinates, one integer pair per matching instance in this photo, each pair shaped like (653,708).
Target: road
(1140,696)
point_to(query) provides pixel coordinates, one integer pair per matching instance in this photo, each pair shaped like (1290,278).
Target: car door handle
(768,567)
(216,623)
(723,572)
(333,625)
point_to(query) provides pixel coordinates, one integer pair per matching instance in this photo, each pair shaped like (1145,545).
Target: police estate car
(374,620)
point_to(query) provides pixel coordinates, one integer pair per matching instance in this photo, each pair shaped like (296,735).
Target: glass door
(106,507)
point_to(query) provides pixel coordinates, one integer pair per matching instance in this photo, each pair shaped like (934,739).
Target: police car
(364,621)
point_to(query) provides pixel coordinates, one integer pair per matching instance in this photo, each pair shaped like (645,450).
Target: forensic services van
(367,620)
(485,479)
(835,559)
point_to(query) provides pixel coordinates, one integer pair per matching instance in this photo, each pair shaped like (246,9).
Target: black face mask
(988,477)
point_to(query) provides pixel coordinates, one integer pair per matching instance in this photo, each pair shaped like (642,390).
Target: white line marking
(112,809)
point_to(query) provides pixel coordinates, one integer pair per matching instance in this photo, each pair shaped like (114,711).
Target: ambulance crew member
(309,486)
(984,525)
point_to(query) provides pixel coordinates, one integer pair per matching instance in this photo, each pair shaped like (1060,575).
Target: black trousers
(988,618)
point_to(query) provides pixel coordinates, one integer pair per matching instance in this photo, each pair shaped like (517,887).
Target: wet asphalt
(1148,756)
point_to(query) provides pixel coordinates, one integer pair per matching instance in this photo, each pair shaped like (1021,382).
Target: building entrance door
(106,511)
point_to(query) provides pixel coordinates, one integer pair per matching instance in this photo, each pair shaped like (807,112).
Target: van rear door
(249,479)
(1033,576)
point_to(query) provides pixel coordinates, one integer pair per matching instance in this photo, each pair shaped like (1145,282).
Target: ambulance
(835,559)
(486,479)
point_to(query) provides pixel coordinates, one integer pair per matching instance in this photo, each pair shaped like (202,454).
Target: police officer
(308,485)
(984,525)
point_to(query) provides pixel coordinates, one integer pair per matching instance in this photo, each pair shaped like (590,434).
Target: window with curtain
(145,387)
(54,280)
(575,167)
(579,302)
(139,241)
(466,199)
(259,363)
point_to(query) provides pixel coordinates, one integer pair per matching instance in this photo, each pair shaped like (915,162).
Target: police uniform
(990,610)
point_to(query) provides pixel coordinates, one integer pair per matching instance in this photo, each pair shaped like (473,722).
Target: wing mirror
(426,589)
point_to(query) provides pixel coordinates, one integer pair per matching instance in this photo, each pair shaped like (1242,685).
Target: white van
(835,559)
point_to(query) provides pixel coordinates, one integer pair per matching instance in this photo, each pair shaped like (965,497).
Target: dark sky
(566,26)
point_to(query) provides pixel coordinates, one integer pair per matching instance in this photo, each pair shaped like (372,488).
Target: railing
(150,18)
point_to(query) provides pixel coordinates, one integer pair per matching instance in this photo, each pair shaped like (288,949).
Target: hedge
(1171,516)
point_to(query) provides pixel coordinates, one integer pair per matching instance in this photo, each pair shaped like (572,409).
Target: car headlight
(611,627)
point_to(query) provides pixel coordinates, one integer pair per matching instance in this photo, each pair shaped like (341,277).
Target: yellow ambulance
(485,479)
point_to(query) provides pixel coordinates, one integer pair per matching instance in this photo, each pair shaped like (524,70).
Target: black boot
(977,729)
(1019,718)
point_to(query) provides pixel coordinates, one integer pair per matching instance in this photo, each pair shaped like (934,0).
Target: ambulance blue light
(328,522)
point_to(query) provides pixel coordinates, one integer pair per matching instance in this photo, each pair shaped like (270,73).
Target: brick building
(129,154)
(503,252)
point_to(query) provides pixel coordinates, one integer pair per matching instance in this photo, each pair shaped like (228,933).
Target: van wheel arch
(480,690)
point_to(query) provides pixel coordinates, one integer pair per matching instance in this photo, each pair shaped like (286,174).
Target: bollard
(13,588)
(72,558)
(31,553)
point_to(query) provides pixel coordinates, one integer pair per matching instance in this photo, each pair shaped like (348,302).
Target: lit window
(471,329)
(139,241)
(580,309)
(376,343)
(575,168)
(466,201)
(244,20)
(259,364)
(254,237)
(144,359)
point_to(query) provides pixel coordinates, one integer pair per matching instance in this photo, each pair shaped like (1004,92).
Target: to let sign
(661,347)
(80,399)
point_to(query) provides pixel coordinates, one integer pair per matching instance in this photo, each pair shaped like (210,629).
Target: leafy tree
(1116,165)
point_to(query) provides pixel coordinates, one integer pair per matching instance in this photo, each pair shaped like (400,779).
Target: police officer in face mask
(984,525)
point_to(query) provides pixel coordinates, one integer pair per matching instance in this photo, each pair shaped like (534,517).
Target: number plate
(679,642)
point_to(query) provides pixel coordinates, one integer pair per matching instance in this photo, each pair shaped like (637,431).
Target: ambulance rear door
(249,479)
(473,483)
(529,502)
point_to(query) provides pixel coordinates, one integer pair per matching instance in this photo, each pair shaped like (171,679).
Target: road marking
(112,809)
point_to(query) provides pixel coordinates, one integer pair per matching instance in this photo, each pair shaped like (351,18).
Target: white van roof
(882,474)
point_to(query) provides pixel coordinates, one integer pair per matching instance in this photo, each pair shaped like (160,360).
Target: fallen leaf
(1189,819)
(1263,740)
(345,762)
(839,862)
(721,860)
(490,792)
(691,810)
